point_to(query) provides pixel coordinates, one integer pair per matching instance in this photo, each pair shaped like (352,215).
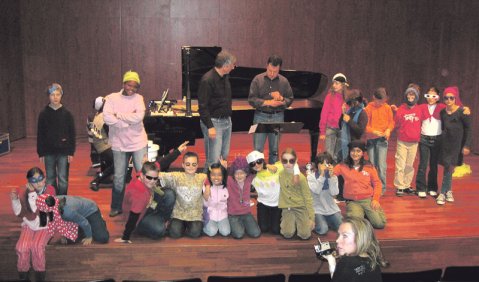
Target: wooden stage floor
(419,234)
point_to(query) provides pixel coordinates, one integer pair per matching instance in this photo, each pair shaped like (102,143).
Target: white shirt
(431,126)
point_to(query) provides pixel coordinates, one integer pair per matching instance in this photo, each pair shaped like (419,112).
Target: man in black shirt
(270,94)
(214,106)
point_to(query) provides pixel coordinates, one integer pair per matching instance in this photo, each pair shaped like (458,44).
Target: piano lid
(305,84)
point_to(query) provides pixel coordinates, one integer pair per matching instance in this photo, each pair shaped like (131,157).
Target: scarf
(65,228)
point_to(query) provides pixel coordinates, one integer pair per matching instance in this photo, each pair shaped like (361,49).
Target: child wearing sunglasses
(187,216)
(148,206)
(215,211)
(266,184)
(324,186)
(33,238)
(455,137)
(295,201)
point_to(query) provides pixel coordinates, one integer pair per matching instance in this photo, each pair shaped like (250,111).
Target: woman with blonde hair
(359,255)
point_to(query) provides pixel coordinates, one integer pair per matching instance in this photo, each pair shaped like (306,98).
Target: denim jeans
(333,142)
(121,160)
(429,149)
(273,138)
(98,228)
(57,165)
(245,223)
(212,227)
(447,180)
(377,152)
(323,222)
(269,218)
(153,223)
(220,146)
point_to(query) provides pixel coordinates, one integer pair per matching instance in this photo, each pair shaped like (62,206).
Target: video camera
(323,249)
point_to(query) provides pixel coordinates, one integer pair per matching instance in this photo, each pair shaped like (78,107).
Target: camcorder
(323,249)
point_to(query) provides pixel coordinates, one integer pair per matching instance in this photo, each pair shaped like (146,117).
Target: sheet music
(252,129)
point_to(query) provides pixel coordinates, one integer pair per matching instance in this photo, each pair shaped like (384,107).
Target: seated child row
(191,203)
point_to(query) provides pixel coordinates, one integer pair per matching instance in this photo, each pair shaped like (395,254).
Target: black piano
(171,130)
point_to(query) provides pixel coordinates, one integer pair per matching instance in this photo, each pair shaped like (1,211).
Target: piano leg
(314,138)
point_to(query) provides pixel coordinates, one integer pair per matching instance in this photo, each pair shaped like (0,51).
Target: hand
(344,108)
(467,111)
(272,168)
(375,205)
(322,137)
(466,151)
(387,133)
(207,192)
(30,187)
(378,133)
(346,117)
(323,168)
(394,107)
(13,194)
(183,146)
(273,103)
(70,159)
(277,96)
(119,240)
(223,162)
(42,160)
(87,241)
(212,133)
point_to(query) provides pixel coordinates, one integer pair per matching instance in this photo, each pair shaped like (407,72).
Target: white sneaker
(432,193)
(449,196)
(440,200)
(422,194)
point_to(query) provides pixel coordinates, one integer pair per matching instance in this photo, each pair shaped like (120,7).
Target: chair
(461,273)
(265,278)
(432,275)
(315,277)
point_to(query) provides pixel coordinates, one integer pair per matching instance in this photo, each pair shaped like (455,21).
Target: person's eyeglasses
(151,177)
(191,164)
(431,96)
(452,98)
(258,161)
(290,161)
(36,179)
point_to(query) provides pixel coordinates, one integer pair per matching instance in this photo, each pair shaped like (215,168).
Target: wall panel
(87,45)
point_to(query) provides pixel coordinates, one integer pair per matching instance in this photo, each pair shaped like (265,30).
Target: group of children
(190,203)
(442,131)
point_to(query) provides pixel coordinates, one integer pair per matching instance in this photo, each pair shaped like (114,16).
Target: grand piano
(169,123)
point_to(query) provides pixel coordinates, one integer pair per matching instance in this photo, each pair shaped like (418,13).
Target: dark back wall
(87,45)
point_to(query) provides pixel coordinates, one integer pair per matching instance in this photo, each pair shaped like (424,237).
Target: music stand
(276,128)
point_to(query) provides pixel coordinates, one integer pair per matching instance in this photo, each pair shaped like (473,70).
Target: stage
(419,234)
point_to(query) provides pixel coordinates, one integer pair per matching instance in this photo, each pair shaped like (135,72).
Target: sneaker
(422,194)
(433,193)
(441,199)
(410,191)
(114,213)
(449,196)
(399,192)
(94,186)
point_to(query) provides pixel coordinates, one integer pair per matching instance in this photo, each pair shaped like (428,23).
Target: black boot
(23,276)
(40,275)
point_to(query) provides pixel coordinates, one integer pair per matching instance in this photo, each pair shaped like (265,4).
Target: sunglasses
(290,161)
(36,180)
(452,98)
(191,164)
(258,161)
(431,96)
(151,177)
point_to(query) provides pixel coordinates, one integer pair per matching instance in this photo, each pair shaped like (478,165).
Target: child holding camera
(324,186)
(215,212)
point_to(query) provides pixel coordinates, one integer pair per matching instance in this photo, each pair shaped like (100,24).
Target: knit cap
(415,92)
(239,163)
(454,90)
(131,76)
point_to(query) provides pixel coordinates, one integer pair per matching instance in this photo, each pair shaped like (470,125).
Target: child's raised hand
(183,146)
(223,162)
